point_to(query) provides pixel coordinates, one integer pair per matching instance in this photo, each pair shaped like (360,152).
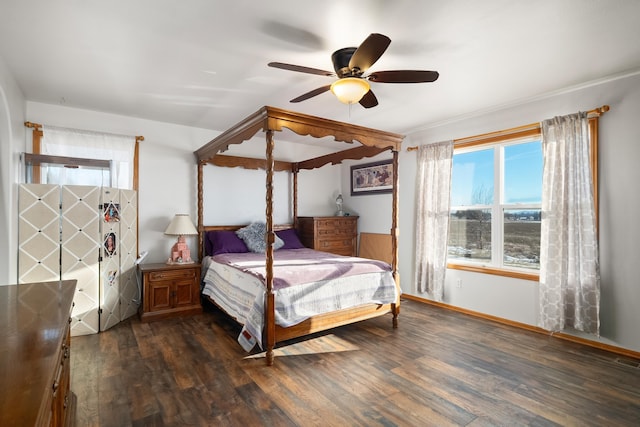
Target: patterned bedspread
(306,283)
(297,266)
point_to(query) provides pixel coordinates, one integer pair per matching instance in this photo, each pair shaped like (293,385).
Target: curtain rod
(38,127)
(523,130)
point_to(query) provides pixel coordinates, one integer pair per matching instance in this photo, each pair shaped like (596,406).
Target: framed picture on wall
(372,178)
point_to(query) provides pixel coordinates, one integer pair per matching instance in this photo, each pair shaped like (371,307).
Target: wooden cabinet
(61,397)
(335,234)
(169,290)
(35,354)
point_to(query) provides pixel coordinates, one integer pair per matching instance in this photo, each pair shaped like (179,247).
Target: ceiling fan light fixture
(350,90)
(351,65)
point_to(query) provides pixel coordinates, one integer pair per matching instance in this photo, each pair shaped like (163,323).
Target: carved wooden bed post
(394,234)
(200,210)
(295,171)
(270,236)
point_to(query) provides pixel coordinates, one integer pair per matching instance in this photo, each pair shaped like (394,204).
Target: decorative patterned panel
(81,245)
(129,294)
(110,265)
(39,233)
(85,233)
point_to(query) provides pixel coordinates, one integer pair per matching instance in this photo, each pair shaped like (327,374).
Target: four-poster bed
(270,120)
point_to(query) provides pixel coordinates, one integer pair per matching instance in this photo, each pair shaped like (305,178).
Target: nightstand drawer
(172,274)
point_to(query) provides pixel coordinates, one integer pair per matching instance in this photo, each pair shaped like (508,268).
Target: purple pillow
(223,242)
(290,239)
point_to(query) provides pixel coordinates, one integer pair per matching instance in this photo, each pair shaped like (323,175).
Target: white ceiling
(203,63)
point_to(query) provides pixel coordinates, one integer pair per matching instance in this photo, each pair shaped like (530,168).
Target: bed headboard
(201,239)
(276,227)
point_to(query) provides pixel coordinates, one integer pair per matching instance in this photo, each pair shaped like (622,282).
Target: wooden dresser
(335,234)
(34,354)
(169,290)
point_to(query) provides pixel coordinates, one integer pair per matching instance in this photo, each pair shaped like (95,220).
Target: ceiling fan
(350,65)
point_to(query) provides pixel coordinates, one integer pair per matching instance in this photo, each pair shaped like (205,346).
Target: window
(495,200)
(66,170)
(74,156)
(496,195)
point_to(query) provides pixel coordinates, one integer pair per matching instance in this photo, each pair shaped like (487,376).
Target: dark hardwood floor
(438,368)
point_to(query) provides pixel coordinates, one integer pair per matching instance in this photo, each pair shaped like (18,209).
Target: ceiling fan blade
(301,69)
(403,76)
(312,93)
(369,100)
(369,51)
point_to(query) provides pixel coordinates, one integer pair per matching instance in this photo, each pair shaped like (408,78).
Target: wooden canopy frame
(270,120)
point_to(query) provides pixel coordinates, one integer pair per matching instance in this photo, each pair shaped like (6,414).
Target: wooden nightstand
(169,290)
(335,234)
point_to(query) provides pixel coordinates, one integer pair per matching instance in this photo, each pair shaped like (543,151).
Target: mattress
(306,283)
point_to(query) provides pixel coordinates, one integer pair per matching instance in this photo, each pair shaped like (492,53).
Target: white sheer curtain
(433,186)
(569,265)
(58,141)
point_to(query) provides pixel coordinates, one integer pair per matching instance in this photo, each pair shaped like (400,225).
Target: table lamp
(180,226)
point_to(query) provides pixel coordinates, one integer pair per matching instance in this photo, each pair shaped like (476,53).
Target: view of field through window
(495,206)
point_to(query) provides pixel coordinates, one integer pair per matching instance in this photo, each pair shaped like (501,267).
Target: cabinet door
(160,295)
(184,294)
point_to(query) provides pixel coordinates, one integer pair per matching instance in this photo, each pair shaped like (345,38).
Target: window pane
(522,238)
(62,175)
(523,173)
(470,235)
(472,178)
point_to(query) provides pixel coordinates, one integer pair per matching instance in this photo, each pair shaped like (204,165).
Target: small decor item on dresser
(339,202)
(180,226)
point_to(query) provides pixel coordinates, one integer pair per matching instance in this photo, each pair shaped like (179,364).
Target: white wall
(237,196)
(374,210)
(168,176)
(12,142)
(619,174)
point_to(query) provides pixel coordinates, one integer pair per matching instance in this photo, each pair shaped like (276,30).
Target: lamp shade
(350,89)
(181,225)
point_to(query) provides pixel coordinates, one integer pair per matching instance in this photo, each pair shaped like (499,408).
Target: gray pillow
(253,236)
